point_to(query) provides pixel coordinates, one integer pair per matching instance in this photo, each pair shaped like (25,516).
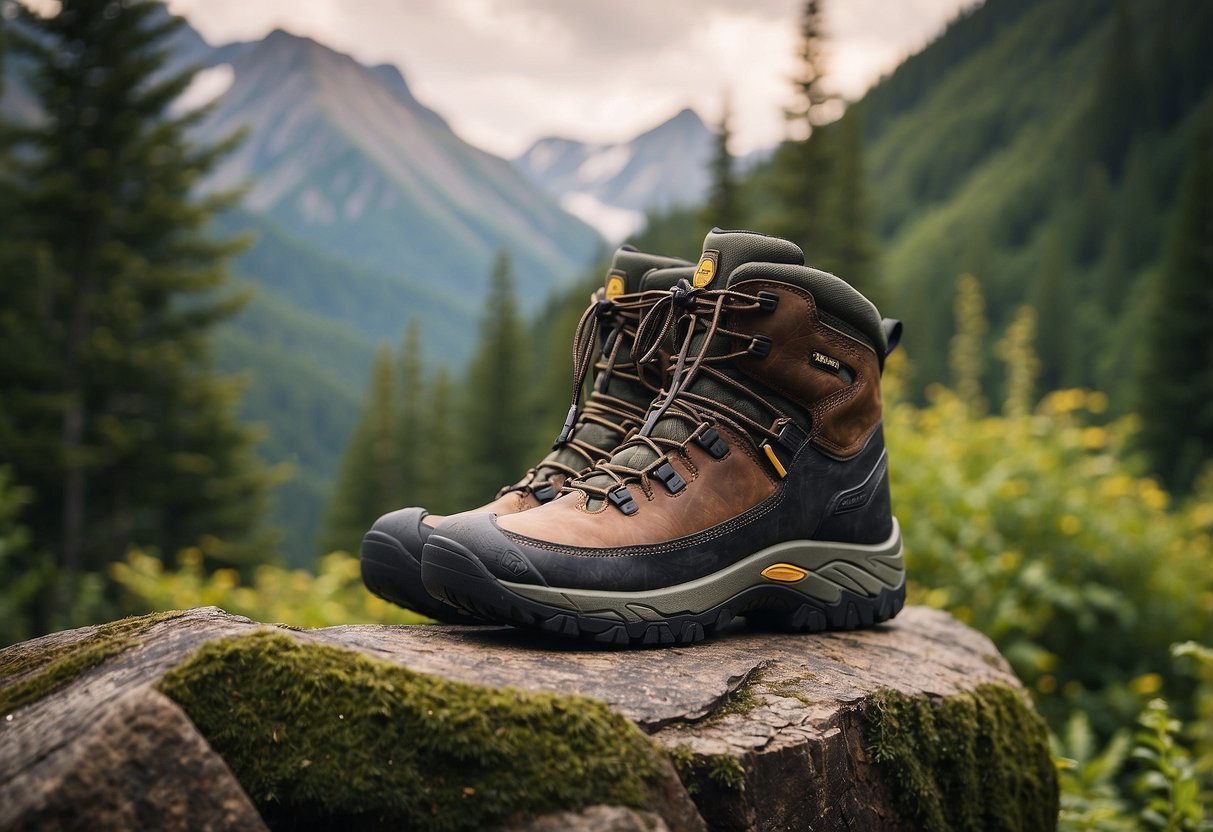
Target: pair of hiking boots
(728,461)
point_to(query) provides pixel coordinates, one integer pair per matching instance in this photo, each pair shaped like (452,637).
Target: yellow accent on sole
(784,573)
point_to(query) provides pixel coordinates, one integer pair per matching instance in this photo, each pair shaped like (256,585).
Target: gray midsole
(832,567)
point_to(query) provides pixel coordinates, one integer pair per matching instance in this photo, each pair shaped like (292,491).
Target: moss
(725,771)
(45,670)
(740,701)
(976,761)
(697,771)
(789,689)
(321,736)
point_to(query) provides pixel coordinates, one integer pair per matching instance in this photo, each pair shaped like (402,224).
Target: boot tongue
(723,252)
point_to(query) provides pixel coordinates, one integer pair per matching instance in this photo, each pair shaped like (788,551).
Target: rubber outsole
(454,574)
(393,573)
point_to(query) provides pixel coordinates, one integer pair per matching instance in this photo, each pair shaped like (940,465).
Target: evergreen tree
(368,483)
(411,480)
(497,396)
(111,415)
(1115,105)
(1175,395)
(848,247)
(1054,305)
(723,208)
(439,457)
(801,164)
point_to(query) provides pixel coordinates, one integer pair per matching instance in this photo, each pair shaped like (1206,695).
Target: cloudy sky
(506,72)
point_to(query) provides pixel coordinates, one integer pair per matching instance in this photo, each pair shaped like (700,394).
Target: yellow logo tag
(705,272)
(614,287)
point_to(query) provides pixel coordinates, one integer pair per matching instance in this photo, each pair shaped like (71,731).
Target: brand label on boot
(707,269)
(614,284)
(826,362)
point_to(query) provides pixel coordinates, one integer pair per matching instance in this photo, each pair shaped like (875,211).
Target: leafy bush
(1037,532)
(333,595)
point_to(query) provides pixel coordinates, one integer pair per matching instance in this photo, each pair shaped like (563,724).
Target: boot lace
(700,316)
(613,324)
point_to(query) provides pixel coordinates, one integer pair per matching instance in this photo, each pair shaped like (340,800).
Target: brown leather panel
(844,415)
(510,502)
(717,490)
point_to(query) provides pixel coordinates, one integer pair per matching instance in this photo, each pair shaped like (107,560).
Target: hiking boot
(757,485)
(622,390)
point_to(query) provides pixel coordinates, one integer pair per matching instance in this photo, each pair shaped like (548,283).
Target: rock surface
(767,731)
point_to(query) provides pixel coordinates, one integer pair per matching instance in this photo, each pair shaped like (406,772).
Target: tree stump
(204,720)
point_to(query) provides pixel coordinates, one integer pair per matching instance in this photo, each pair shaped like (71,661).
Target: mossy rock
(38,671)
(324,737)
(971,761)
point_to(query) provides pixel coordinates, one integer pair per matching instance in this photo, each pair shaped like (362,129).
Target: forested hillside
(1039,146)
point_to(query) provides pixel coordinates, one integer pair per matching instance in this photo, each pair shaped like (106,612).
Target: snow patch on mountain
(613,223)
(207,85)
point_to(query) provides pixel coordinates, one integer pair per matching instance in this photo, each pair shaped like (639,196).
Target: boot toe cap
(402,531)
(477,536)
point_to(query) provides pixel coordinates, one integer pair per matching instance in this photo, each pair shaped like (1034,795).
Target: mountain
(363,209)
(611,186)
(346,157)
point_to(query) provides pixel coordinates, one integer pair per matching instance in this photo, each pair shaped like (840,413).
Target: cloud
(505,72)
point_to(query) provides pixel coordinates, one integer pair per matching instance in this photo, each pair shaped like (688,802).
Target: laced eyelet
(621,498)
(711,441)
(760,346)
(768,301)
(670,478)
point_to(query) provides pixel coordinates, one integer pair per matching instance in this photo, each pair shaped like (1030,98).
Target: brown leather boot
(391,550)
(756,486)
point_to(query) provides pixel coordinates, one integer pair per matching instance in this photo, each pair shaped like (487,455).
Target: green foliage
(1176,386)
(328,736)
(326,596)
(1090,793)
(976,760)
(112,416)
(969,343)
(1035,531)
(1169,784)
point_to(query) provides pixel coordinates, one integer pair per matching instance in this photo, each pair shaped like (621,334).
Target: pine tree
(1054,305)
(368,483)
(723,207)
(439,457)
(848,247)
(1175,391)
(411,479)
(801,165)
(497,396)
(1115,106)
(112,414)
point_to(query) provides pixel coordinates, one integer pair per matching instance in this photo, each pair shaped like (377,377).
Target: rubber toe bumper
(391,565)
